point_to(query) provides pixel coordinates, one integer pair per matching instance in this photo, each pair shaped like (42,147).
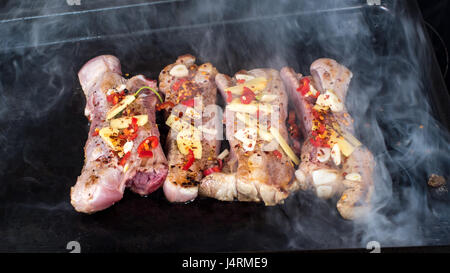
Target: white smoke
(44,43)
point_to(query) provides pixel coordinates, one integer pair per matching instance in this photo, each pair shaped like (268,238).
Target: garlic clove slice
(179,71)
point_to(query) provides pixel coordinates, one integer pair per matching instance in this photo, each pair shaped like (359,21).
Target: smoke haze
(391,97)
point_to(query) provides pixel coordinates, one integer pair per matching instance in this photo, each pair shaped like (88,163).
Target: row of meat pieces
(260,163)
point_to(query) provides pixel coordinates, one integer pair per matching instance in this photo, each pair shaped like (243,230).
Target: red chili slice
(151,141)
(304,86)
(115,97)
(277,154)
(135,128)
(190,160)
(321,129)
(154,142)
(110,98)
(146,154)
(315,114)
(189,102)
(247,96)
(132,136)
(140,148)
(122,136)
(316,95)
(318,142)
(314,142)
(209,171)
(115,100)
(178,84)
(214,169)
(124,159)
(96,131)
(240,81)
(131,132)
(229,96)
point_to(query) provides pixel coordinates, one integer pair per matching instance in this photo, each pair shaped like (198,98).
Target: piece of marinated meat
(193,141)
(107,170)
(315,159)
(333,161)
(259,168)
(145,174)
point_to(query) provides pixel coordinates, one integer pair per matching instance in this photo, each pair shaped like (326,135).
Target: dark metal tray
(396,96)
